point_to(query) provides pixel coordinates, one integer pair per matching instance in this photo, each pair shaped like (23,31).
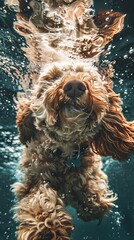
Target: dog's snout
(74,88)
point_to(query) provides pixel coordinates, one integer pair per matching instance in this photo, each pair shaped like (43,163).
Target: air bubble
(125,56)
(131,50)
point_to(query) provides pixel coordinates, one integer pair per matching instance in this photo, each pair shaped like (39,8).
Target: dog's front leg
(41,215)
(40,211)
(88,188)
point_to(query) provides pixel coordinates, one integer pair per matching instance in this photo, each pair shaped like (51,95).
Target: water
(119,224)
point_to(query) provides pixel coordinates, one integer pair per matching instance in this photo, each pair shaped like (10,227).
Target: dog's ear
(109,23)
(25,123)
(116,135)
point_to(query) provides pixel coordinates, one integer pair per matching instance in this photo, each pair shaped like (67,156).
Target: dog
(71,113)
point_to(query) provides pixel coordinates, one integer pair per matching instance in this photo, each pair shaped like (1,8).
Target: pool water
(119,224)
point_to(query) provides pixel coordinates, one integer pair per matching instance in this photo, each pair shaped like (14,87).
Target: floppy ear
(25,123)
(109,23)
(116,136)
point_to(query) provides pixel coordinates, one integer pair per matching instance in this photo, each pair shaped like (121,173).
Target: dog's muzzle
(74,88)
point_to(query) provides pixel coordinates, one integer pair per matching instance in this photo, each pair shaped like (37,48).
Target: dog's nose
(74,88)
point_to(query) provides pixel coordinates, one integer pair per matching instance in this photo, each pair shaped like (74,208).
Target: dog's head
(69,106)
(74,107)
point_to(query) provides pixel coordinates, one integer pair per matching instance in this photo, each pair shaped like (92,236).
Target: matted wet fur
(71,112)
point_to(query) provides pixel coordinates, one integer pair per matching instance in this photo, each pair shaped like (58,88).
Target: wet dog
(70,113)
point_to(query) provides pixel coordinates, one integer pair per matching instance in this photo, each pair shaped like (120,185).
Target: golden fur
(56,127)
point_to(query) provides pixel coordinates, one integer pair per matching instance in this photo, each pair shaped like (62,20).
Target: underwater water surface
(119,224)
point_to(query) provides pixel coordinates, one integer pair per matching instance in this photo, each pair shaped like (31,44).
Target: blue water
(119,224)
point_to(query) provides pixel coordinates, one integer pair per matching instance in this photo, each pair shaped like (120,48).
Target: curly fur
(55,127)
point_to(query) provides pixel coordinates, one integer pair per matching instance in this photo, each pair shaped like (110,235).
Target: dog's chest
(75,128)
